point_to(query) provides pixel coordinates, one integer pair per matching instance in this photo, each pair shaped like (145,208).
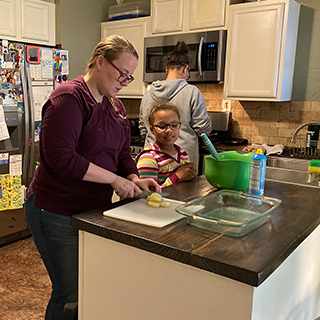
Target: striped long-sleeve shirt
(153,163)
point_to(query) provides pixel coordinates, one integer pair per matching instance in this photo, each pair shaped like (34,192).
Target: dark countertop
(250,259)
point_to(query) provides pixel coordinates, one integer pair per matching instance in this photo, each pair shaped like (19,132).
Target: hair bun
(178,57)
(182,47)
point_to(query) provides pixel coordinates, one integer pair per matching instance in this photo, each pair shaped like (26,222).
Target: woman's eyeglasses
(174,126)
(123,77)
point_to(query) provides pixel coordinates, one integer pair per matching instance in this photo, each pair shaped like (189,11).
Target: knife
(145,194)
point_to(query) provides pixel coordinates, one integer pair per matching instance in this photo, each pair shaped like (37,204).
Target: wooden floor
(25,287)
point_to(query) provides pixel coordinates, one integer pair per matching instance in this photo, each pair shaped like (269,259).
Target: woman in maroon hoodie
(84,157)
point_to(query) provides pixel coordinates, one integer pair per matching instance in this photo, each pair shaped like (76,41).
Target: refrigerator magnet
(33,54)
(4,158)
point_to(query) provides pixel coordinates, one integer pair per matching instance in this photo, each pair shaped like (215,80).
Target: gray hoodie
(193,113)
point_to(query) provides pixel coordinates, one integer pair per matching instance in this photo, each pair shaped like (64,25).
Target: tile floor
(25,287)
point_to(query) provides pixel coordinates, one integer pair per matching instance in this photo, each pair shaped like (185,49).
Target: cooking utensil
(145,194)
(231,171)
(210,146)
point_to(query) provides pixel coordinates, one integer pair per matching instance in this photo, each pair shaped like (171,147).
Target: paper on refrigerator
(10,189)
(46,64)
(15,165)
(65,61)
(41,94)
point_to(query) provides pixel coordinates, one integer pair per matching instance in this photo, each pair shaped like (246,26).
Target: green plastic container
(231,171)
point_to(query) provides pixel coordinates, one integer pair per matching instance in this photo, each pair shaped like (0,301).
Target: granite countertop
(250,259)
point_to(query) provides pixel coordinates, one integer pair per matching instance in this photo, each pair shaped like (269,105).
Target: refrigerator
(29,73)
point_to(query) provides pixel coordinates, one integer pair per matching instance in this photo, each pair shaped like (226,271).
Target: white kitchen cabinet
(167,15)
(135,31)
(9,11)
(261,50)
(206,14)
(38,21)
(181,16)
(31,21)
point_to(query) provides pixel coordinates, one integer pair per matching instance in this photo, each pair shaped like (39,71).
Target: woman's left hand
(146,184)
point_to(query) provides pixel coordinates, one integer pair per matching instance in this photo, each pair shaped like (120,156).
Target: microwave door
(204,69)
(206,53)
(213,61)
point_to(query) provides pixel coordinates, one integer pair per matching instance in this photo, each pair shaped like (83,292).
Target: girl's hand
(186,172)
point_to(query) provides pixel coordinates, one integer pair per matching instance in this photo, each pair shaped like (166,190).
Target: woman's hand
(186,172)
(146,184)
(125,188)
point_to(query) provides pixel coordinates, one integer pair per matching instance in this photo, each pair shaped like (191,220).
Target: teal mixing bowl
(231,171)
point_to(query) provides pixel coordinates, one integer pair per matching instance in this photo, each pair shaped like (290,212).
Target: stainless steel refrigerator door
(25,127)
(12,221)
(38,92)
(31,128)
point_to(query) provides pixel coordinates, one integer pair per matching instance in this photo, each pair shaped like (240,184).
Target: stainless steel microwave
(207,52)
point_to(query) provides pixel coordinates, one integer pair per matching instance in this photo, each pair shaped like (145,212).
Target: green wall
(78,30)
(306,82)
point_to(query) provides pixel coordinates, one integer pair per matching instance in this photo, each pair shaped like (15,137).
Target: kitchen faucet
(302,126)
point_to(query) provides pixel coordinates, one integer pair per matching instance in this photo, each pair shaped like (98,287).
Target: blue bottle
(257,173)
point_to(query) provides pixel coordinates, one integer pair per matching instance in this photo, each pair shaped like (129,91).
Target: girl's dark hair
(160,105)
(178,57)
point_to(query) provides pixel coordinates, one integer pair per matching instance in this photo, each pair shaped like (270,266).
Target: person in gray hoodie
(188,98)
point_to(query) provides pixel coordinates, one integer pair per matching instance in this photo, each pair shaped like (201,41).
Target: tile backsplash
(259,122)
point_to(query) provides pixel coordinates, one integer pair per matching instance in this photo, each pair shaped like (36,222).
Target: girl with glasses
(84,157)
(194,115)
(164,161)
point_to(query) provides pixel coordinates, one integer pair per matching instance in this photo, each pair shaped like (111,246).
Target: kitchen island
(137,272)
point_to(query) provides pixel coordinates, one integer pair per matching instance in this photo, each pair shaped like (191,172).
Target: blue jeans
(57,241)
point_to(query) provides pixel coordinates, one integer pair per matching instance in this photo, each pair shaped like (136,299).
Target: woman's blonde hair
(111,49)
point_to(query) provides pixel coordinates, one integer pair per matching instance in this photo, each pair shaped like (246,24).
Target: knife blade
(145,194)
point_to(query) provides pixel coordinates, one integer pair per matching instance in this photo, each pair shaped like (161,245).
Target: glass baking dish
(230,212)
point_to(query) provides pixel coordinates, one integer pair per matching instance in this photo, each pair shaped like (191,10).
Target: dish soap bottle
(257,173)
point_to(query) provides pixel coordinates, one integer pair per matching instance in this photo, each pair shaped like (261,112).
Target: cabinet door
(135,31)
(38,21)
(167,15)
(253,51)
(206,13)
(9,15)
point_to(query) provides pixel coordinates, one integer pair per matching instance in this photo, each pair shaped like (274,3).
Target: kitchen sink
(292,171)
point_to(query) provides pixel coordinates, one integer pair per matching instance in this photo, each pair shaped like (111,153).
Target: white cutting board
(139,212)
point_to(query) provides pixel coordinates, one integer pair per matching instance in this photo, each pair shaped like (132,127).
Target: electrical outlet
(226,105)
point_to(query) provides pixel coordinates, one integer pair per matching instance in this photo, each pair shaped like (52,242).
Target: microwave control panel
(209,56)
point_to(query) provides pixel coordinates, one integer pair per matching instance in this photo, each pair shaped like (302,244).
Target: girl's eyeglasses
(123,77)
(174,126)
